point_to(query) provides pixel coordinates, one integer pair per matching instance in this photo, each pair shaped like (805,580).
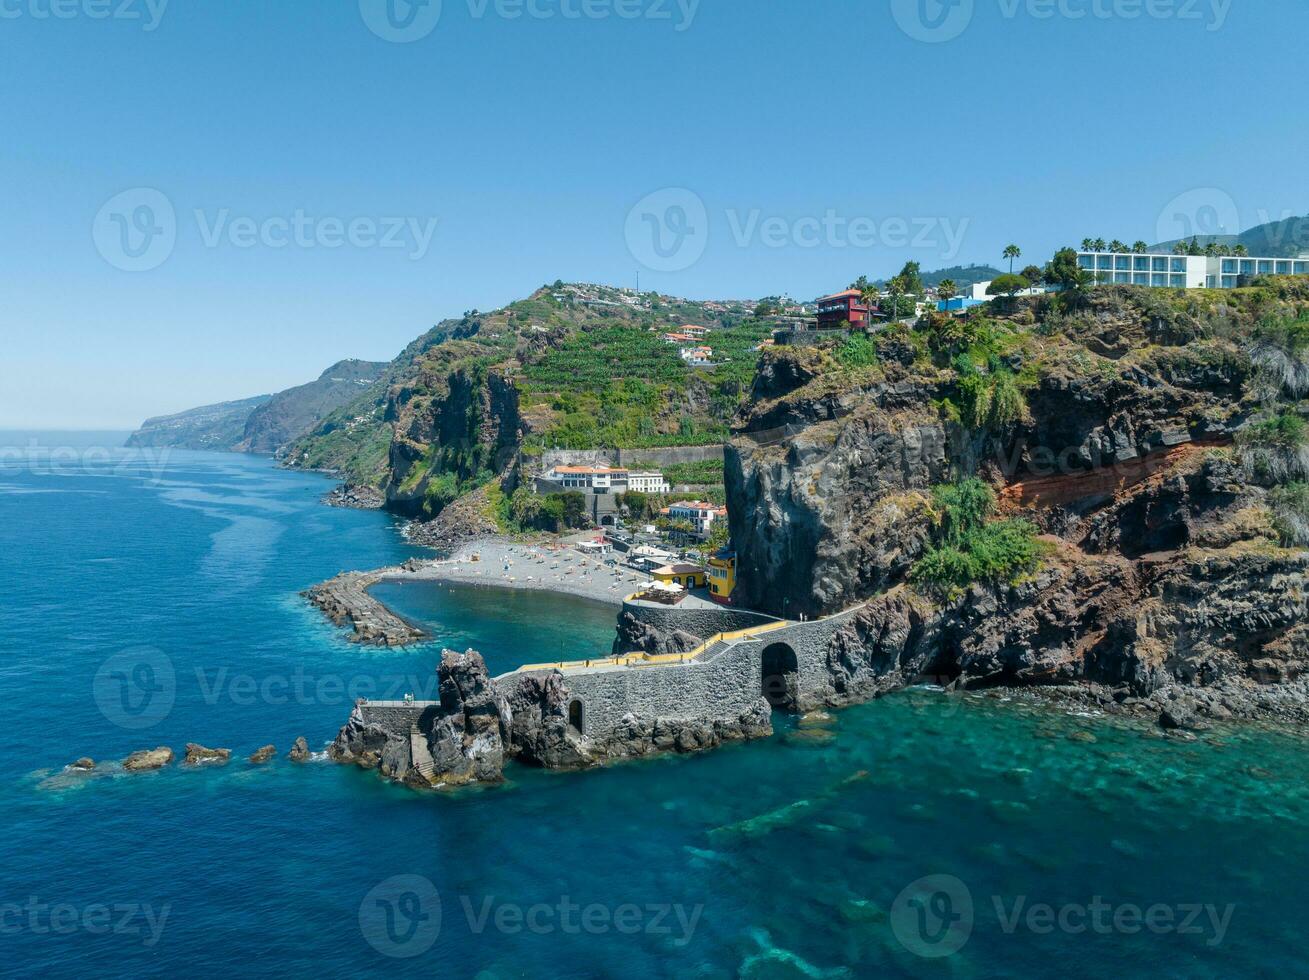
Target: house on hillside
(700,514)
(845,309)
(698,356)
(608,479)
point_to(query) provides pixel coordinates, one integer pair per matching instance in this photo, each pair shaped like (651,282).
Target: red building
(845,309)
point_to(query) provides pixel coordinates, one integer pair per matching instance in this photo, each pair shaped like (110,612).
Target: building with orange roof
(845,309)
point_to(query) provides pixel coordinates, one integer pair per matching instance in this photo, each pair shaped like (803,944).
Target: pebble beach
(542,567)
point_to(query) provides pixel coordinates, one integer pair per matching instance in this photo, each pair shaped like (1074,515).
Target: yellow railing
(655,660)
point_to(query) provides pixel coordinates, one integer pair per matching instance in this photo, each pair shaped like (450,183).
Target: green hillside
(573,366)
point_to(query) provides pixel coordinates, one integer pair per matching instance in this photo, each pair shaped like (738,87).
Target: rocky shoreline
(345,601)
(356,496)
(197,756)
(493,562)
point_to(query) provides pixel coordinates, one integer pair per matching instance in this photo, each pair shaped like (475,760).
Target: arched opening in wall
(781,677)
(607,521)
(576,717)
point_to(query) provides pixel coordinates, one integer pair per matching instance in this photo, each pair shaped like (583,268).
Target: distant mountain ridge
(1283,239)
(264,424)
(211,427)
(290,414)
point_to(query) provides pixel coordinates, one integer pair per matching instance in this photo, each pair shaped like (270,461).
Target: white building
(608,479)
(977,291)
(701,515)
(698,356)
(651,482)
(1185,271)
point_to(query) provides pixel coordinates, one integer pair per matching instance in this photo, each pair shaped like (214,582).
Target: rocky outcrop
(84,764)
(467,519)
(345,601)
(356,496)
(199,755)
(637,636)
(299,750)
(835,512)
(480,724)
(262,755)
(1166,574)
(144,760)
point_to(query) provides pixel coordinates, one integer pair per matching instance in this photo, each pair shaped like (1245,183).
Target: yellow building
(687,576)
(722,576)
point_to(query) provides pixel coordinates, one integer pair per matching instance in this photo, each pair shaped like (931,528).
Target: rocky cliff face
(290,414)
(1164,567)
(454,427)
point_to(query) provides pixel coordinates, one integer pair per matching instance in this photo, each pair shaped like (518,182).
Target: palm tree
(1139,247)
(1117,246)
(947,290)
(1099,244)
(1240,250)
(1088,244)
(896,289)
(868,294)
(1012,252)
(1181,248)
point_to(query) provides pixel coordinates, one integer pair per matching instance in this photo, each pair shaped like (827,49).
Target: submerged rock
(198,754)
(84,764)
(147,759)
(262,755)
(299,750)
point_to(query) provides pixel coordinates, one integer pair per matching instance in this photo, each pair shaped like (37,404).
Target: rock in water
(299,750)
(264,754)
(1180,714)
(83,764)
(146,759)
(197,754)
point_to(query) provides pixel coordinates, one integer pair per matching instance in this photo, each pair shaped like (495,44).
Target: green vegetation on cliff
(970,546)
(572,366)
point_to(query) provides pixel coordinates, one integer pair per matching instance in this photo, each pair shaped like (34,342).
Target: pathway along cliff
(1130,535)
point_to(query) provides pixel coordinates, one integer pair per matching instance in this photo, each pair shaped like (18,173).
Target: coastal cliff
(265,424)
(459,419)
(1100,495)
(1129,442)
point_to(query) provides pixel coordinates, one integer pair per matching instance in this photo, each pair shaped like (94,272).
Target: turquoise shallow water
(796,856)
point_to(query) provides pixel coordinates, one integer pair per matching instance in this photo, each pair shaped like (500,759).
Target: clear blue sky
(530,139)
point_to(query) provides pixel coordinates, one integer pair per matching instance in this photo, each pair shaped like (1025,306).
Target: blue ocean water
(921,835)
